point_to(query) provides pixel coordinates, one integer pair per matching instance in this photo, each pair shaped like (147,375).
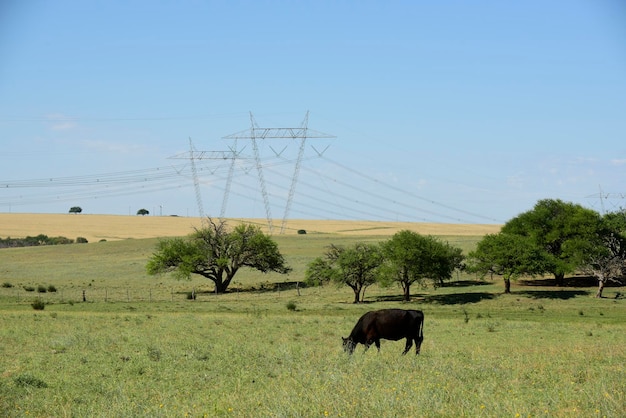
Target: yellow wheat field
(118,227)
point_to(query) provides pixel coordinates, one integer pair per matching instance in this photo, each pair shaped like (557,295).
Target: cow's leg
(409,344)
(418,343)
(377,342)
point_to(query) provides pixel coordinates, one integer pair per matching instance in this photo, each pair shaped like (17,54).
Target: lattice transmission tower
(194,155)
(608,201)
(255,133)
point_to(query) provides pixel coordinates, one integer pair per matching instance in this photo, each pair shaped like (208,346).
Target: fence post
(84,296)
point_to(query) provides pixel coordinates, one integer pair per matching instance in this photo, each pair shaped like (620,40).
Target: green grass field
(138,347)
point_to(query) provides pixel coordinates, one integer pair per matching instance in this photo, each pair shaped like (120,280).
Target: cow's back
(395,324)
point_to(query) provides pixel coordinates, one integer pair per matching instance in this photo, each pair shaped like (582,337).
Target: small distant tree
(355,267)
(508,255)
(412,258)
(143,212)
(76,209)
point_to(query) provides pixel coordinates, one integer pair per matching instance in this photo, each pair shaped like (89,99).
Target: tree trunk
(221,286)
(507,285)
(559,279)
(600,288)
(407,293)
(357,292)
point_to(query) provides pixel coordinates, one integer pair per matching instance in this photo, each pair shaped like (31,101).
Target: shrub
(41,289)
(29,288)
(52,288)
(59,241)
(7,285)
(38,305)
(301,231)
(81,240)
(292,306)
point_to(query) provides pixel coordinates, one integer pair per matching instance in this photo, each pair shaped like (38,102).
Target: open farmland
(115,227)
(138,347)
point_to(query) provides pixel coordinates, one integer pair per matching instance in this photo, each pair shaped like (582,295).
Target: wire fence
(101,295)
(130,294)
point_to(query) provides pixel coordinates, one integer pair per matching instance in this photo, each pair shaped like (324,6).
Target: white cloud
(515,181)
(421,184)
(618,161)
(585,160)
(60,122)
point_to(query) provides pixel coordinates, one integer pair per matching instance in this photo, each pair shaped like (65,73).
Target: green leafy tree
(564,231)
(76,209)
(508,255)
(217,253)
(355,267)
(143,212)
(318,272)
(607,262)
(411,258)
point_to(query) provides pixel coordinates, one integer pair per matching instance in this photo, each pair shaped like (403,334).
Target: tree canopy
(355,266)
(607,262)
(507,255)
(217,253)
(563,231)
(411,258)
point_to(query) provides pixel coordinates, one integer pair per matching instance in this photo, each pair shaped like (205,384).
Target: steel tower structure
(194,155)
(254,133)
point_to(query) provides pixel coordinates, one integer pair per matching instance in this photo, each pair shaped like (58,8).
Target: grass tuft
(28,380)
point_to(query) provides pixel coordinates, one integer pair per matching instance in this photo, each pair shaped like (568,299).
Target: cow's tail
(420,335)
(420,332)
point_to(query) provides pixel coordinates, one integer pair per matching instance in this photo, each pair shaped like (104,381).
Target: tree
(355,267)
(564,231)
(76,209)
(318,272)
(143,212)
(506,255)
(217,253)
(607,262)
(411,258)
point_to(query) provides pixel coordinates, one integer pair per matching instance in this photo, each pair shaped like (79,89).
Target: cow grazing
(388,324)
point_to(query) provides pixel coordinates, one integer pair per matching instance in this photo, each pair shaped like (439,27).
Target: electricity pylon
(255,132)
(194,155)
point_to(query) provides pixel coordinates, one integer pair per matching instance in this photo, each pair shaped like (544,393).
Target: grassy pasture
(147,351)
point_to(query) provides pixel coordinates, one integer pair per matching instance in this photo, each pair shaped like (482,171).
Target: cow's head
(348,345)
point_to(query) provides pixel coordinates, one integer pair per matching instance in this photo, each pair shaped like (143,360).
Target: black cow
(388,324)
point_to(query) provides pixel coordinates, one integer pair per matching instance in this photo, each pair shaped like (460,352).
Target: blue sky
(446,111)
